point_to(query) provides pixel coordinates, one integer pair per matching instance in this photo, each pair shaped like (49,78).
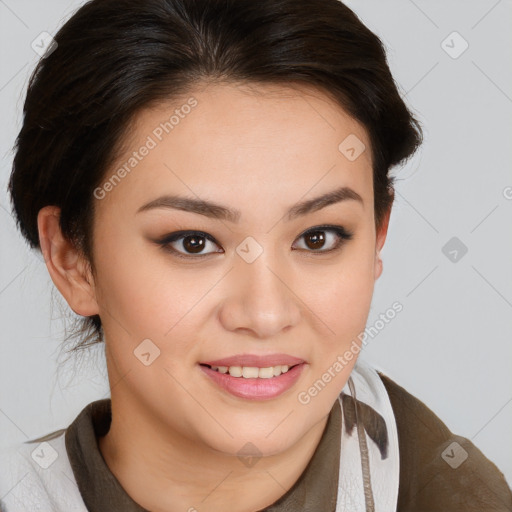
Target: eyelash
(340,231)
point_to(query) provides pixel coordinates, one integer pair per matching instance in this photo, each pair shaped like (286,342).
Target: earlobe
(67,267)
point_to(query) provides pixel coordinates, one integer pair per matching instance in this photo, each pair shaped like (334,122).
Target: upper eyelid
(188,232)
(171,237)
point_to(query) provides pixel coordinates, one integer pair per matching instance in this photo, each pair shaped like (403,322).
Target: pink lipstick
(255,377)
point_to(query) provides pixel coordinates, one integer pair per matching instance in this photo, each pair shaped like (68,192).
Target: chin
(270,436)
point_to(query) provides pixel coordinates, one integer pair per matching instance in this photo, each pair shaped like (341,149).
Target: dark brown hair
(116,57)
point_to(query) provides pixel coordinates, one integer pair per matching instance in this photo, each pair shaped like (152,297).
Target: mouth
(262,382)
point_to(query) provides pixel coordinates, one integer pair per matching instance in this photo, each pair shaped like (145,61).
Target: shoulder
(441,471)
(36,476)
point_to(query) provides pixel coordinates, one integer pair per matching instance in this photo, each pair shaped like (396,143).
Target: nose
(261,299)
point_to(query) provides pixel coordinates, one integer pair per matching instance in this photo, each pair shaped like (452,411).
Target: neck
(164,471)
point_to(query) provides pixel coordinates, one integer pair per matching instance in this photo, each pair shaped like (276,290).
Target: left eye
(316,238)
(194,242)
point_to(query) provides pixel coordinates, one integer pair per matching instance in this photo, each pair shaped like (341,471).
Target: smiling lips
(255,377)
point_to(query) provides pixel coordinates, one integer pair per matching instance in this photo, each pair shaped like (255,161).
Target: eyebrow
(218,211)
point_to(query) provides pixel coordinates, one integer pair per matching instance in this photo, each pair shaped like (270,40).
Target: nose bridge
(262,299)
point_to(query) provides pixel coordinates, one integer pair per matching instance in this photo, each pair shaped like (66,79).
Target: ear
(68,268)
(380,239)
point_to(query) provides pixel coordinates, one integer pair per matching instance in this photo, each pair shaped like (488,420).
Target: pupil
(318,238)
(193,244)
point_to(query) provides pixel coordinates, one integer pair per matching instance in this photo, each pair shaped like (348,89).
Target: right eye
(191,243)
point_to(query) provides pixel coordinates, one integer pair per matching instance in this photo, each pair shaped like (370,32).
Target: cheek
(140,294)
(341,304)
(340,295)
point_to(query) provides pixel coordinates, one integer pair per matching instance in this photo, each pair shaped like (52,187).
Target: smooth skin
(175,435)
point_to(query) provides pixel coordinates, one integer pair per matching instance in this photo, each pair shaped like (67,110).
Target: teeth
(249,372)
(234,371)
(266,373)
(252,372)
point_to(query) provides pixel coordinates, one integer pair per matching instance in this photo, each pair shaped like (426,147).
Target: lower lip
(255,389)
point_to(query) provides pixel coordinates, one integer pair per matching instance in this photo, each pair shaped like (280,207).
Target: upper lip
(253,360)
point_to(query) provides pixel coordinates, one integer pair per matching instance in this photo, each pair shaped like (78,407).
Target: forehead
(234,140)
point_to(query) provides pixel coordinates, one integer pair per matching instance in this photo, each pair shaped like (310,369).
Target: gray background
(451,345)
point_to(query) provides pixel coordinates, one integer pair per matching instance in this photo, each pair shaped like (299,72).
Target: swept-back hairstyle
(116,57)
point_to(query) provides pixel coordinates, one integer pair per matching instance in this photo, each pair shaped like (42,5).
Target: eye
(192,244)
(316,239)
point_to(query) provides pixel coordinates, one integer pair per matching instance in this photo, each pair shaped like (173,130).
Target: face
(263,287)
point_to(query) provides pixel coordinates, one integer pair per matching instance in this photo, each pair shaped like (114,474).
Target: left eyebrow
(217,211)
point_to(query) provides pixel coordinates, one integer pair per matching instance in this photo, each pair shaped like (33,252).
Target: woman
(208,183)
